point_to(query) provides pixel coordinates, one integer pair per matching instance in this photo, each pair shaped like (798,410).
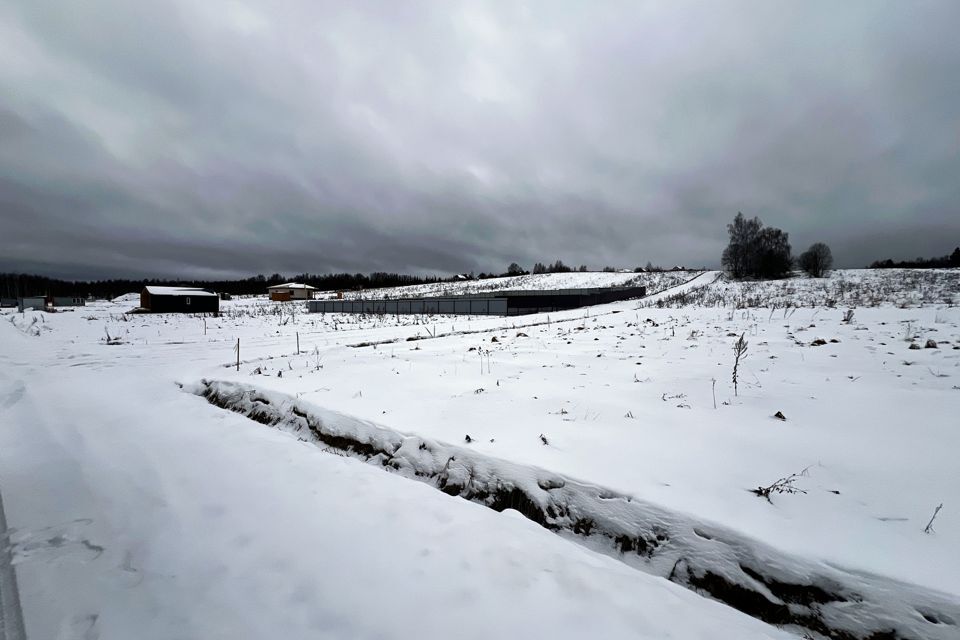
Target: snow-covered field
(139,509)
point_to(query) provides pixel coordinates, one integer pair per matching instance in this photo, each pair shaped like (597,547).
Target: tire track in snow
(11,615)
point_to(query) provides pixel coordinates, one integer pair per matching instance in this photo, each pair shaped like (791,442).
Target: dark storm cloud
(228,137)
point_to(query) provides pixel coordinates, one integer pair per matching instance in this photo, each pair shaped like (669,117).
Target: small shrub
(783,485)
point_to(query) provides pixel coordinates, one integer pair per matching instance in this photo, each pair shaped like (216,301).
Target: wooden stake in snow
(929,527)
(237,349)
(298,343)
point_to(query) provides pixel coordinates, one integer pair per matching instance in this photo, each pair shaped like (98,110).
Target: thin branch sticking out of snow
(929,527)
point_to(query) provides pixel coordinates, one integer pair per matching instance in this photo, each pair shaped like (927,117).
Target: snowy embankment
(851,288)
(743,573)
(654,281)
(127,298)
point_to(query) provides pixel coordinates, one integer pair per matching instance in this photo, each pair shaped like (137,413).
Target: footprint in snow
(80,627)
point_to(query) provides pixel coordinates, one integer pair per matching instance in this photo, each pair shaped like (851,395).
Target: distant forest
(14,285)
(952,260)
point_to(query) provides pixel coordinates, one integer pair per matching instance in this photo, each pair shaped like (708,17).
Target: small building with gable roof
(155,299)
(290,291)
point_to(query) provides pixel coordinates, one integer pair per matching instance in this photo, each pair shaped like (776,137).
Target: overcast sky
(208,138)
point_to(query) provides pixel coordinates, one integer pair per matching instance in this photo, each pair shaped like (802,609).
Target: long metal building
(499,303)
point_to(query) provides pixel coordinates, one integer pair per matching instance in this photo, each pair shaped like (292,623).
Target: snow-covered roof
(178,291)
(291,285)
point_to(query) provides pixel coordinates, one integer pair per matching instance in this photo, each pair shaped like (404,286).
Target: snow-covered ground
(845,288)
(140,510)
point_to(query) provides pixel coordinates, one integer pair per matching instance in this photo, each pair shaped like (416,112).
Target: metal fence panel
(498,306)
(493,303)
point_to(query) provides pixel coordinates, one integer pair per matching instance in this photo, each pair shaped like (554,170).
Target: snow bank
(128,298)
(746,574)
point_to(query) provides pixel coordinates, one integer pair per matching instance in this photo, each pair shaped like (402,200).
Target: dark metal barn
(179,300)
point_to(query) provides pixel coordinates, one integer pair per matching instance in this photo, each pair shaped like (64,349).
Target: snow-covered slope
(128,298)
(843,288)
(654,281)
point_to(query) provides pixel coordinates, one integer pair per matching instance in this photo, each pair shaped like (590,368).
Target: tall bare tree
(755,251)
(816,260)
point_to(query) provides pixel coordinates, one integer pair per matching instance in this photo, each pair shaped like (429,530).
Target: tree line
(753,251)
(560,267)
(13,285)
(952,260)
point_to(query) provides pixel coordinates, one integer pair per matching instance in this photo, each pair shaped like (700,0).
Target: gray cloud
(227,137)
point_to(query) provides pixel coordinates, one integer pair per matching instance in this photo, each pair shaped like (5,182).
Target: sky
(228,138)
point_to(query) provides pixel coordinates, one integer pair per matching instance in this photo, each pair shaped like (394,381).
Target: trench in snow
(808,597)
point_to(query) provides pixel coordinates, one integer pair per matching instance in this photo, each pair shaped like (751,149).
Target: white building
(290,291)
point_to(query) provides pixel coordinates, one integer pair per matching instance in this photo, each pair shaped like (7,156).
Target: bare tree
(755,251)
(738,256)
(816,260)
(773,258)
